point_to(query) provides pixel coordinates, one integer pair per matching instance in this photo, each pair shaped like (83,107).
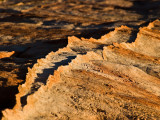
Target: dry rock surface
(108,69)
(91,79)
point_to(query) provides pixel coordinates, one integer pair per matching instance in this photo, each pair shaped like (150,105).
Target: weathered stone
(105,83)
(83,78)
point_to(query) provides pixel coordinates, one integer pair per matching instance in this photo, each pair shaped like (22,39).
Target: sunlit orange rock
(4,54)
(95,80)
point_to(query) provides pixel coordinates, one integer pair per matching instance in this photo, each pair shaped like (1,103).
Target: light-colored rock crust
(95,80)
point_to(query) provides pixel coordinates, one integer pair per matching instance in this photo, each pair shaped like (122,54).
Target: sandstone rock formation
(34,28)
(5,54)
(95,79)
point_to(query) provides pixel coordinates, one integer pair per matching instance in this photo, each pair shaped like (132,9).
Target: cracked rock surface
(78,60)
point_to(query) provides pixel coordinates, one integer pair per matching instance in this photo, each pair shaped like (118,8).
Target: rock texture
(30,29)
(4,54)
(95,79)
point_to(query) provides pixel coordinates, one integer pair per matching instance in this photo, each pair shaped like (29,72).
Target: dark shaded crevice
(143,8)
(7,99)
(20,18)
(94,33)
(133,37)
(9,11)
(148,21)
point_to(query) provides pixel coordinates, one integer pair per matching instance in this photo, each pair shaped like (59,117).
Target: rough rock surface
(4,54)
(94,80)
(30,29)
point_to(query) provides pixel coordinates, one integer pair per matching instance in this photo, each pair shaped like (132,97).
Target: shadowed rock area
(108,69)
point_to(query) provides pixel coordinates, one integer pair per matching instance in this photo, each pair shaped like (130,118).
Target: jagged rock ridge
(108,78)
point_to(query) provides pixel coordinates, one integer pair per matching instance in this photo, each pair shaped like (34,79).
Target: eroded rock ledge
(92,79)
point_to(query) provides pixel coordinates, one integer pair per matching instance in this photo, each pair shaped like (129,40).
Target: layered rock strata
(95,79)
